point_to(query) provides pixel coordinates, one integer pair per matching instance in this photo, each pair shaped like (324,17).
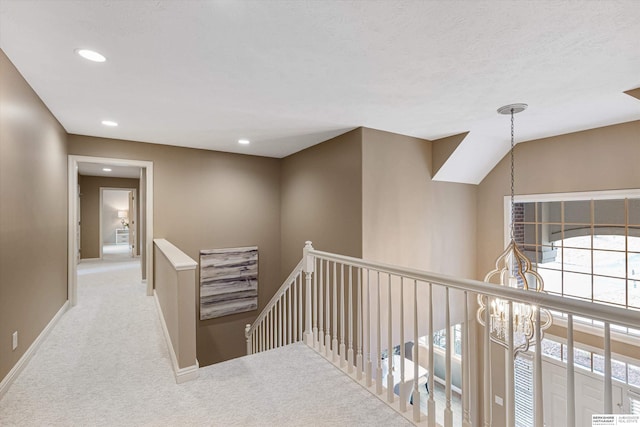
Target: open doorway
(139,208)
(118,223)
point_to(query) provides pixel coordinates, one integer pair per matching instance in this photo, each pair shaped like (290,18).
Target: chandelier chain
(512,324)
(512,180)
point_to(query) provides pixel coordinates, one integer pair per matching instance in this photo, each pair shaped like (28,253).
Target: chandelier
(513,269)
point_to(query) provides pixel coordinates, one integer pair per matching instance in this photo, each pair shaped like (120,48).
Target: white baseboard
(187,374)
(182,374)
(88,260)
(26,357)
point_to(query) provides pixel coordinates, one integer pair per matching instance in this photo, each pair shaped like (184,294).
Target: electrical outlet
(15,340)
(498,400)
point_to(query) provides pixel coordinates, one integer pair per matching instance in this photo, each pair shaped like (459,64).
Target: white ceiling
(290,74)
(97,169)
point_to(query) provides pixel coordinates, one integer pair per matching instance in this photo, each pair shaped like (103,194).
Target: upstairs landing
(106,363)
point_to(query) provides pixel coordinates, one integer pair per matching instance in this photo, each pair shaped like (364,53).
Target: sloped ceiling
(290,74)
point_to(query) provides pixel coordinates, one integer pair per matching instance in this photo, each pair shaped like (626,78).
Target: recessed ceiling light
(243,141)
(91,55)
(109,123)
(106,169)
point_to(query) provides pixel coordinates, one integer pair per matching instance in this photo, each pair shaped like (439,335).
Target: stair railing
(280,322)
(358,313)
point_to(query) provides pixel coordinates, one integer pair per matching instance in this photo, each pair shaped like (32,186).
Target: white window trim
(597,331)
(559,197)
(586,347)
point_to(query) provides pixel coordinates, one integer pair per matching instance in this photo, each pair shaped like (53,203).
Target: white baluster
(378,340)
(487,365)
(281,326)
(431,404)
(275,326)
(315,306)
(342,319)
(289,317)
(510,372)
(538,403)
(403,396)
(608,395)
(466,392)
(327,319)
(416,391)
(294,337)
(367,331)
(271,329)
(448,414)
(321,308)
(390,395)
(334,342)
(571,383)
(359,361)
(247,328)
(350,317)
(307,315)
(308,268)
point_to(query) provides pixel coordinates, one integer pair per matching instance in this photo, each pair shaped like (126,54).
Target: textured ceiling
(290,74)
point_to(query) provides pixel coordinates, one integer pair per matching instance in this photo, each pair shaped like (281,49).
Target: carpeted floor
(106,364)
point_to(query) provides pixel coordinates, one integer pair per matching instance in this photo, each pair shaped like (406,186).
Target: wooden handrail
(605,313)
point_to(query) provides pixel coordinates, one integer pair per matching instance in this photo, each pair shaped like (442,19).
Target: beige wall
(90,210)
(33,215)
(322,199)
(175,290)
(408,219)
(204,200)
(412,221)
(599,159)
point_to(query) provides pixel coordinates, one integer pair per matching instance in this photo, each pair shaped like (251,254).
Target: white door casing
(73,217)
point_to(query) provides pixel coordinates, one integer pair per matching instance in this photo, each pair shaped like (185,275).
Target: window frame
(567,197)
(618,358)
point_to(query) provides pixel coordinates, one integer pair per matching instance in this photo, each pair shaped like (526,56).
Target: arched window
(584,248)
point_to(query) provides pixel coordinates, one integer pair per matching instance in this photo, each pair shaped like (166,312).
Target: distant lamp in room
(513,269)
(123,215)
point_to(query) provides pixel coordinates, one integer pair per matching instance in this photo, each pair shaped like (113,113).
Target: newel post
(307,267)
(248,337)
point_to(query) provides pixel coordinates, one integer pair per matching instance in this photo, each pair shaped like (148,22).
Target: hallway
(106,364)
(102,358)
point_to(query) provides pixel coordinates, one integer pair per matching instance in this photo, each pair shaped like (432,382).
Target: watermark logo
(615,420)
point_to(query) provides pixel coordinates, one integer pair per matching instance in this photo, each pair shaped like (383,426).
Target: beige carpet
(106,364)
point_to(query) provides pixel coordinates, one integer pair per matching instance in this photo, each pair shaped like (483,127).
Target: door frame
(135,213)
(72,213)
